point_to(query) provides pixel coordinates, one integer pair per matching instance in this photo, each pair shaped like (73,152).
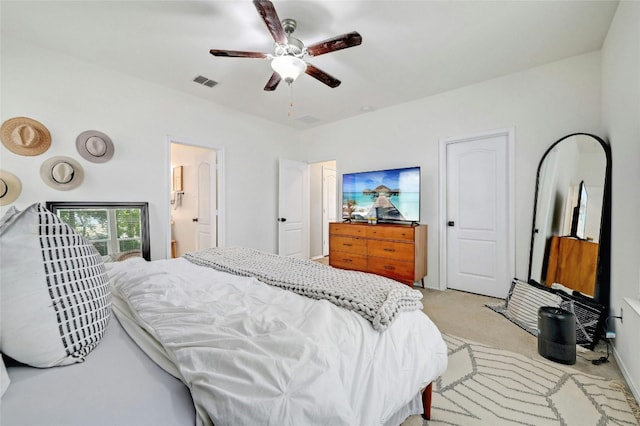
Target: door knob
(195,219)
(451,223)
(282,219)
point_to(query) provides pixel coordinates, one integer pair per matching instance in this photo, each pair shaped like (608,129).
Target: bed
(189,343)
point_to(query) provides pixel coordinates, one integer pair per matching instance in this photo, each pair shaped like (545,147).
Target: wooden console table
(391,250)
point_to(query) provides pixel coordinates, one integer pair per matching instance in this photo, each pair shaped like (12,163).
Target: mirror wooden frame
(603,279)
(54,206)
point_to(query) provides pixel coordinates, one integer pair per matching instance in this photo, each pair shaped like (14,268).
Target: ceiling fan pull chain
(290,100)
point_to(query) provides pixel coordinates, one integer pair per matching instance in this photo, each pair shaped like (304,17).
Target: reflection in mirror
(117,230)
(571,220)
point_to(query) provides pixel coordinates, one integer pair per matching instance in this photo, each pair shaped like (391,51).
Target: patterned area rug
(488,386)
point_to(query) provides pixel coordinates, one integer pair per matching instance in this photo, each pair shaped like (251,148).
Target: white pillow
(4,377)
(56,299)
(525,300)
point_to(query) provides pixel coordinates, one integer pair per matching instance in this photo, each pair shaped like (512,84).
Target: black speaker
(557,335)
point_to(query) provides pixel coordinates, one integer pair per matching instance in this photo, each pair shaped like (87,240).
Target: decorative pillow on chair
(56,299)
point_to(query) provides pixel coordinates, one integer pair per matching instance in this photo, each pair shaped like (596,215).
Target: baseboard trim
(625,373)
(633,386)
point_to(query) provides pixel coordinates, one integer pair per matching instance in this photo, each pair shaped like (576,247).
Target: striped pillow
(56,299)
(524,301)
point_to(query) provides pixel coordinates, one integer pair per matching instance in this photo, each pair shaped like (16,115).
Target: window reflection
(117,230)
(110,230)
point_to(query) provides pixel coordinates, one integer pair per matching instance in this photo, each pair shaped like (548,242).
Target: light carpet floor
(464,319)
(488,386)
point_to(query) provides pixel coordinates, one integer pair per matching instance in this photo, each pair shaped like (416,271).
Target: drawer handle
(347,244)
(389,267)
(389,249)
(347,260)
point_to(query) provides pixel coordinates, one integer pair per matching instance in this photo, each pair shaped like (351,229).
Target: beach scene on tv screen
(392,195)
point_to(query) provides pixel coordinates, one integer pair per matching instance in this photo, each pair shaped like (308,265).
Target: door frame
(325,210)
(220,189)
(442,213)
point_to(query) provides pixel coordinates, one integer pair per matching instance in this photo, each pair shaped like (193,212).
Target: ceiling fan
(287,61)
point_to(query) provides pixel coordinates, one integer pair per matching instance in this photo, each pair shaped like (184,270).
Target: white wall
(70,96)
(543,104)
(621,122)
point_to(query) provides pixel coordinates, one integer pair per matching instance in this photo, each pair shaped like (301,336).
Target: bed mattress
(118,384)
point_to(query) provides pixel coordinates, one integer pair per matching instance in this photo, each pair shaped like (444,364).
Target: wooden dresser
(395,251)
(573,263)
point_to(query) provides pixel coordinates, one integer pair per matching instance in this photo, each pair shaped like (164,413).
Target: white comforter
(255,354)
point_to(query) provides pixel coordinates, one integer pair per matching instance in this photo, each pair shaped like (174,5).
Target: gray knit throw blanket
(377,299)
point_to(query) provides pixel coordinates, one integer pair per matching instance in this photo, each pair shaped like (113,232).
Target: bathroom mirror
(118,230)
(570,238)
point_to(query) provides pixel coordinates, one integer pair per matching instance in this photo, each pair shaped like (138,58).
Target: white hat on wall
(95,146)
(10,187)
(63,173)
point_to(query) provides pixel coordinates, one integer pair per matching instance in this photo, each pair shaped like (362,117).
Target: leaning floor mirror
(570,238)
(118,230)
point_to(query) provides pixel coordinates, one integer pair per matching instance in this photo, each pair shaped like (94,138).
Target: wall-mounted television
(579,217)
(388,195)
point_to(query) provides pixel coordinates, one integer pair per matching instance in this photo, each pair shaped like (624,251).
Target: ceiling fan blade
(270,17)
(237,54)
(322,76)
(273,82)
(335,43)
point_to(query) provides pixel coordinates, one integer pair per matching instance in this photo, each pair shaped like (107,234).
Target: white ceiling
(410,49)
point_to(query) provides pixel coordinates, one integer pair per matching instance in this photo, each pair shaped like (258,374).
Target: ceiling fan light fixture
(289,67)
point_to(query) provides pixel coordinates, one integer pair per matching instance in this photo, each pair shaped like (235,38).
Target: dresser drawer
(391,233)
(391,249)
(396,269)
(394,251)
(345,260)
(348,244)
(347,229)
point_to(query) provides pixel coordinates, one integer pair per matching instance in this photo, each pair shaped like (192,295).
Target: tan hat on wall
(10,187)
(63,173)
(25,136)
(94,146)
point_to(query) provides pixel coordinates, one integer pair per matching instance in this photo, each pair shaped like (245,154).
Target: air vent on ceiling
(308,119)
(204,81)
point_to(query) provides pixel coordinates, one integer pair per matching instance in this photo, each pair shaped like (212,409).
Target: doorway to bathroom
(194,197)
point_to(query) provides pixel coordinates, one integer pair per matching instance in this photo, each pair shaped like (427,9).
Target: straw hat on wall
(25,136)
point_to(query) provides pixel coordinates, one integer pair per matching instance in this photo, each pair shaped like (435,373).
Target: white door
(328,205)
(293,209)
(206,219)
(478,216)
